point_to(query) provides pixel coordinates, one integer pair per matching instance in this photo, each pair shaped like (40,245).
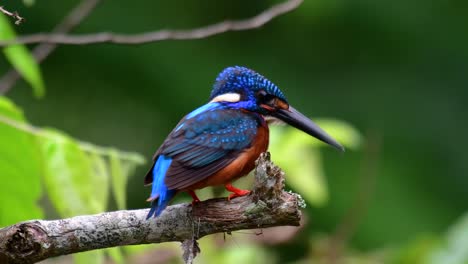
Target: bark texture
(268,205)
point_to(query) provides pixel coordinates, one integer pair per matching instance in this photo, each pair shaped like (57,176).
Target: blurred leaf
(68,175)
(169,252)
(119,179)
(116,255)
(29,2)
(245,254)
(20,169)
(21,59)
(139,249)
(94,257)
(297,154)
(240,253)
(455,249)
(343,132)
(100,180)
(302,164)
(417,251)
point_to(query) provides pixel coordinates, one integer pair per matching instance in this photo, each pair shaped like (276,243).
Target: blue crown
(240,80)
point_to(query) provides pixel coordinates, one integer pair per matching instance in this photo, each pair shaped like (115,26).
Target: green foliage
(417,251)
(118,179)
(29,2)
(237,248)
(20,169)
(77,176)
(342,131)
(450,248)
(69,175)
(116,255)
(101,177)
(298,155)
(243,253)
(20,57)
(454,249)
(96,256)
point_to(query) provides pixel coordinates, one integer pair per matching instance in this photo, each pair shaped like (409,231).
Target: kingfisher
(219,142)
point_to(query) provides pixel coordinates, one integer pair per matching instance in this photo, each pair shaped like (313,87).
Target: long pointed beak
(299,121)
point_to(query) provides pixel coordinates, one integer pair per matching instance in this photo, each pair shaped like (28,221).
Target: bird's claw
(195,201)
(235,191)
(238,193)
(194,197)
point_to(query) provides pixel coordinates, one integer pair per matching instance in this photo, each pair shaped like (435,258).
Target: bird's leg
(235,191)
(194,197)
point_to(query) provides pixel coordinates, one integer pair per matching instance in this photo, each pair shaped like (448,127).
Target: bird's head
(244,88)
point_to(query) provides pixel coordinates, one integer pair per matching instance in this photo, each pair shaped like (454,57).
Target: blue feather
(160,194)
(202,109)
(209,133)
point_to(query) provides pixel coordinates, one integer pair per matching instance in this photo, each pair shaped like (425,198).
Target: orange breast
(241,166)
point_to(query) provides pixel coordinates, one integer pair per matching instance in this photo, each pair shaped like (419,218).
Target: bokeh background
(395,70)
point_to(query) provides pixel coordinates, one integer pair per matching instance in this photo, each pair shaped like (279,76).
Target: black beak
(299,121)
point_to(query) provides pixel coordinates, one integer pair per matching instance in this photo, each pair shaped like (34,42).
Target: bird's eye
(265,98)
(270,102)
(261,94)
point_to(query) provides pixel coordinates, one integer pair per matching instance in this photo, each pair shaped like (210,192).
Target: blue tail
(160,195)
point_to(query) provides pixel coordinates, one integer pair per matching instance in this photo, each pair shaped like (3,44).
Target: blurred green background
(395,70)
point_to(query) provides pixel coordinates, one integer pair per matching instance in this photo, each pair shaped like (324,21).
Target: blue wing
(205,141)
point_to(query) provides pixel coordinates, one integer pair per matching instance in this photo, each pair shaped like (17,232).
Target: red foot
(235,191)
(194,197)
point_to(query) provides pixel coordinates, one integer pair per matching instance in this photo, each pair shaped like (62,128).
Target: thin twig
(18,19)
(73,19)
(49,41)
(154,36)
(268,205)
(84,146)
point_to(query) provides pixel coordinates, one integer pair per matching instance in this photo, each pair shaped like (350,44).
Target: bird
(219,142)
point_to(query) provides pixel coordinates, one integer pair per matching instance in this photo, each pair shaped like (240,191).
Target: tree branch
(73,19)
(18,19)
(154,36)
(268,205)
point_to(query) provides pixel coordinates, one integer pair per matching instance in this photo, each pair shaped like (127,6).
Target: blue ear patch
(160,194)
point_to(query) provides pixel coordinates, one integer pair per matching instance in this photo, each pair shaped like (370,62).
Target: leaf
(20,169)
(21,59)
(302,164)
(100,180)
(68,175)
(116,255)
(297,154)
(343,132)
(29,2)
(417,250)
(455,249)
(139,249)
(94,257)
(119,179)
(240,253)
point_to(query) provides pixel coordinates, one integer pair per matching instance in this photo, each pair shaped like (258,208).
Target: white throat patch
(227,97)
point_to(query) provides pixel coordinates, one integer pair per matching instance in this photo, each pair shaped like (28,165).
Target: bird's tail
(160,194)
